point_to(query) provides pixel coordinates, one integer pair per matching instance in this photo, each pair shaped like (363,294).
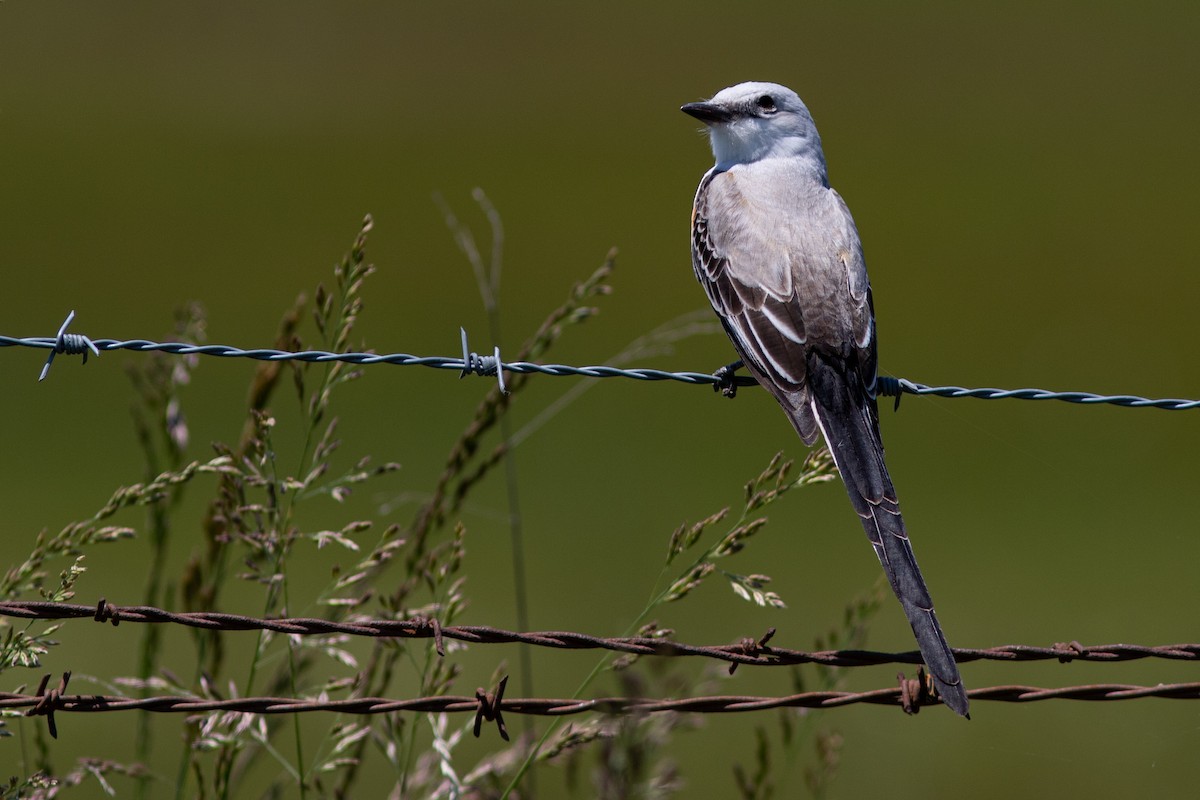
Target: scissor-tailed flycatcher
(780,259)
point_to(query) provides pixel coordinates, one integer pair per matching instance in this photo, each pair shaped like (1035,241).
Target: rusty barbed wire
(473,364)
(489,706)
(752,651)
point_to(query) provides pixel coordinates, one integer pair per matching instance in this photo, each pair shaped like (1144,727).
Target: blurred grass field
(1023,177)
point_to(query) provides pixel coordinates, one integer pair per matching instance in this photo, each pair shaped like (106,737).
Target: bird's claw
(726,379)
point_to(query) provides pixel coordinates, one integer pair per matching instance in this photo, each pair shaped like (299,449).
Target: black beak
(708,113)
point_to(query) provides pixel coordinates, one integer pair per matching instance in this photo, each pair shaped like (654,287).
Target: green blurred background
(1023,175)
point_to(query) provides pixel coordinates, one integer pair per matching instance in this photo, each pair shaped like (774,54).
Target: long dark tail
(847,417)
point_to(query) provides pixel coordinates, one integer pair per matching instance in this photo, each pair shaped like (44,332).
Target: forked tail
(845,413)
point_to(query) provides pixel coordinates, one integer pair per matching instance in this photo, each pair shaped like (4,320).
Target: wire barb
(917,692)
(72,344)
(107,612)
(489,708)
(753,648)
(47,702)
(887,386)
(435,627)
(1069,651)
(475,364)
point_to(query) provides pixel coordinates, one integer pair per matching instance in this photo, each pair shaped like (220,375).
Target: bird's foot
(726,379)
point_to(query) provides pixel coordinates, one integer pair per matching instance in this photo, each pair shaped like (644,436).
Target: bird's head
(753,121)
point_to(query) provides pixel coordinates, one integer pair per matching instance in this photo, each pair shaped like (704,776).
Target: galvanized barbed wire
(747,651)
(491,705)
(472,363)
(893,387)
(69,343)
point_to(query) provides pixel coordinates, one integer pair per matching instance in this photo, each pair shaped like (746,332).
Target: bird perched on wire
(779,256)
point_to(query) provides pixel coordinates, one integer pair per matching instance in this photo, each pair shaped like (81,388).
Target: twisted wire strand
(717,704)
(471,363)
(894,386)
(746,651)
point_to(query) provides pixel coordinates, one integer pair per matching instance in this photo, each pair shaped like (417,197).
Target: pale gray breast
(782,230)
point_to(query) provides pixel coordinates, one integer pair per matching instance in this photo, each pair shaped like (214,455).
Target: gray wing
(783,282)
(783,268)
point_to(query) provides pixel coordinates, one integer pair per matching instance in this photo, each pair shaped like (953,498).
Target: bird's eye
(766,103)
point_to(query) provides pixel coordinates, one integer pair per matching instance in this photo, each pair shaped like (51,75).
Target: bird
(780,258)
